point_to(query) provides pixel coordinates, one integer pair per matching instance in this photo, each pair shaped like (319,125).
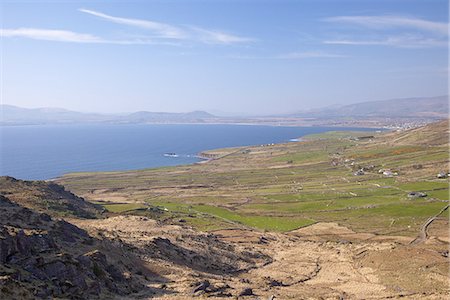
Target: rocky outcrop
(42,258)
(47,197)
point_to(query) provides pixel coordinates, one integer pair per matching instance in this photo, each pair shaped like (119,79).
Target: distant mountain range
(424,107)
(428,108)
(18,115)
(13,115)
(145,116)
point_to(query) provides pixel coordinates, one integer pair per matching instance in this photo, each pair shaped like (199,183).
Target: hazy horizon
(213,112)
(238,58)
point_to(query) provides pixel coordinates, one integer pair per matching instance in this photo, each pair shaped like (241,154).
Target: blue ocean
(45,152)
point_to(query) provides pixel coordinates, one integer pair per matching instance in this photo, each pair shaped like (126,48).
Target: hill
(13,115)
(47,197)
(162,117)
(44,257)
(424,107)
(352,215)
(435,134)
(391,113)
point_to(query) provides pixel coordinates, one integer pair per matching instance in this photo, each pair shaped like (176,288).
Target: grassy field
(287,186)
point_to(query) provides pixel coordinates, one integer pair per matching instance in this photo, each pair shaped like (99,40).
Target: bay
(46,151)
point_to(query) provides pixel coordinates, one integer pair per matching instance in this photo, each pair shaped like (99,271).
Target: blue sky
(250,57)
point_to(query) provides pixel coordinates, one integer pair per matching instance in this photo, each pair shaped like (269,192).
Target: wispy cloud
(67,36)
(393,41)
(167,31)
(390,21)
(161,30)
(393,31)
(51,35)
(217,37)
(156,33)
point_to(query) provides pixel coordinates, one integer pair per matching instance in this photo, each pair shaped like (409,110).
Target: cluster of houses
(385,172)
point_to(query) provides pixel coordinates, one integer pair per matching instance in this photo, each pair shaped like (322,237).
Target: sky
(225,57)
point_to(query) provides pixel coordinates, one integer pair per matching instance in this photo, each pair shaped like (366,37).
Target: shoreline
(375,124)
(201,157)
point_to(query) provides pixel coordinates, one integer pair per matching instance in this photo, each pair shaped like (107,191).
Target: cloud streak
(390,22)
(51,35)
(399,42)
(156,33)
(217,37)
(167,31)
(393,31)
(67,36)
(161,30)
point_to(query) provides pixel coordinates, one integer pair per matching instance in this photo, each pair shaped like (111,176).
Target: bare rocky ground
(322,261)
(134,257)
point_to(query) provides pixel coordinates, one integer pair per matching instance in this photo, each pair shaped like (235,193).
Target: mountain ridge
(436,106)
(417,108)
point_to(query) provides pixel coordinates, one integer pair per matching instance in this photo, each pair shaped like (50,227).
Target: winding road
(423,235)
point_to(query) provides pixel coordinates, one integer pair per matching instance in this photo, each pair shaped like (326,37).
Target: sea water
(48,151)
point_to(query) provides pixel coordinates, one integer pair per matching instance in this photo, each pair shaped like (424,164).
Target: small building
(389,173)
(442,175)
(417,195)
(359,172)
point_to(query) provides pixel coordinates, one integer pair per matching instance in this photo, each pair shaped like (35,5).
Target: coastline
(197,156)
(376,123)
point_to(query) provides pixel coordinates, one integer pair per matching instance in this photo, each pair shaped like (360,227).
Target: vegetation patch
(260,222)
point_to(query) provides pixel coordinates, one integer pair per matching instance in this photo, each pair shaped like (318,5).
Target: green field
(287,186)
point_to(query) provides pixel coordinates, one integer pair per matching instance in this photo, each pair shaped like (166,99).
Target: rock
(218,291)
(274,282)
(246,292)
(115,273)
(43,258)
(263,240)
(201,286)
(70,232)
(344,242)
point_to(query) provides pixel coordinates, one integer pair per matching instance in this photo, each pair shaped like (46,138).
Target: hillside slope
(424,107)
(435,134)
(42,258)
(47,197)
